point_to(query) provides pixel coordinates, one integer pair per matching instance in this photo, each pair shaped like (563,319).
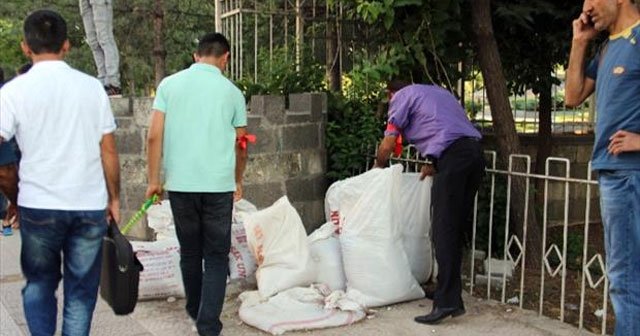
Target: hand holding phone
(583,28)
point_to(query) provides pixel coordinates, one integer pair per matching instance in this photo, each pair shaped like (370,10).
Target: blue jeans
(620,207)
(203,227)
(47,235)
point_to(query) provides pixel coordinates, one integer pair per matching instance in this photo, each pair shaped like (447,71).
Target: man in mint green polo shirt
(198,127)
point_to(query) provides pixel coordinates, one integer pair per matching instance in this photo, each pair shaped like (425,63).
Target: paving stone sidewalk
(161,317)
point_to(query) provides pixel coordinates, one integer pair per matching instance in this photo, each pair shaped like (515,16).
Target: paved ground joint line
(11,278)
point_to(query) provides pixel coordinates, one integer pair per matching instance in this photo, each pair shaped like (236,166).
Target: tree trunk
(159,50)
(544,128)
(332,54)
(503,123)
(544,142)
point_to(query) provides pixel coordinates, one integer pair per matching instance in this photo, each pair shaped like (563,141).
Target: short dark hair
(213,44)
(45,31)
(395,85)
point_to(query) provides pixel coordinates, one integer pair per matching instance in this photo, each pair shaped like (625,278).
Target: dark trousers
(203,226)
(459,173)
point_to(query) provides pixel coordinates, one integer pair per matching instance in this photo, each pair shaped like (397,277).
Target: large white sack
(160,219)
(332,204)
(278,241)
(375,263)
(327,256)
(242,209)
(296,309)
(242,263)
(341,197)
(161,276)
(415,202)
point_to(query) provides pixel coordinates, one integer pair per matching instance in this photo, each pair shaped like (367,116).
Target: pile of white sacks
(161,277)
(373,251)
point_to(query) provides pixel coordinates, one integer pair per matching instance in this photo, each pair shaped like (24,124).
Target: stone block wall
(289,157)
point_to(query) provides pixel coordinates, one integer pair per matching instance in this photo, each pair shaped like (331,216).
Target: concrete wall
(289,157)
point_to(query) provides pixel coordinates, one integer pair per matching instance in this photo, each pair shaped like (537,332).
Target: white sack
(242,264)
(278,241)
(376,266)
(327,256)
(295,309)
(242,209)
(341,197)
(415,202)
(161,276)
(160,219)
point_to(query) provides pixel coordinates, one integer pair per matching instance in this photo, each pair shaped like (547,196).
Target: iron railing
(553,261)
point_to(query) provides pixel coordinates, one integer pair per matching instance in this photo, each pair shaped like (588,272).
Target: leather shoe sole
(439,314)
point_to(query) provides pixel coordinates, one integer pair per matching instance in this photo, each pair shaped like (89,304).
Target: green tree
(535,40)
(10,36)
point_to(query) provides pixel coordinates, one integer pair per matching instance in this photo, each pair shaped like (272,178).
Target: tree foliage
(427,37)
(533,38)
(186,21)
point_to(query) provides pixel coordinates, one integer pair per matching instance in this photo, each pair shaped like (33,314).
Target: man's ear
(65,47)
(196,58)
(25,49)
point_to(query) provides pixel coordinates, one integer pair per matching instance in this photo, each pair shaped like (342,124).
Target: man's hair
(395,85)
(213,44)
(45,31)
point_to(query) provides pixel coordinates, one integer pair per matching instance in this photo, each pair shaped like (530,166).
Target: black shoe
(439,314)
(113,91)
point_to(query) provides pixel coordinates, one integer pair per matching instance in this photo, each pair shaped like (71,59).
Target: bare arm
(241,161)
(577,86)
(384,151)
(155,140)
(111,166)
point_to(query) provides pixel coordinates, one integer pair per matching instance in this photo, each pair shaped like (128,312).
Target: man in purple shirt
(432,119)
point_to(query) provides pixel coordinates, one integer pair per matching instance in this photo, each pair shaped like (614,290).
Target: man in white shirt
(69,175)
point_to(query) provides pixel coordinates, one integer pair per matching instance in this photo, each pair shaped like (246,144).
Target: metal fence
(256,27)
(546,282)
(261,31)
(524,106)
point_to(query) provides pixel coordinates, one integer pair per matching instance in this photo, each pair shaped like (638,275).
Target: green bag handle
(136,217)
